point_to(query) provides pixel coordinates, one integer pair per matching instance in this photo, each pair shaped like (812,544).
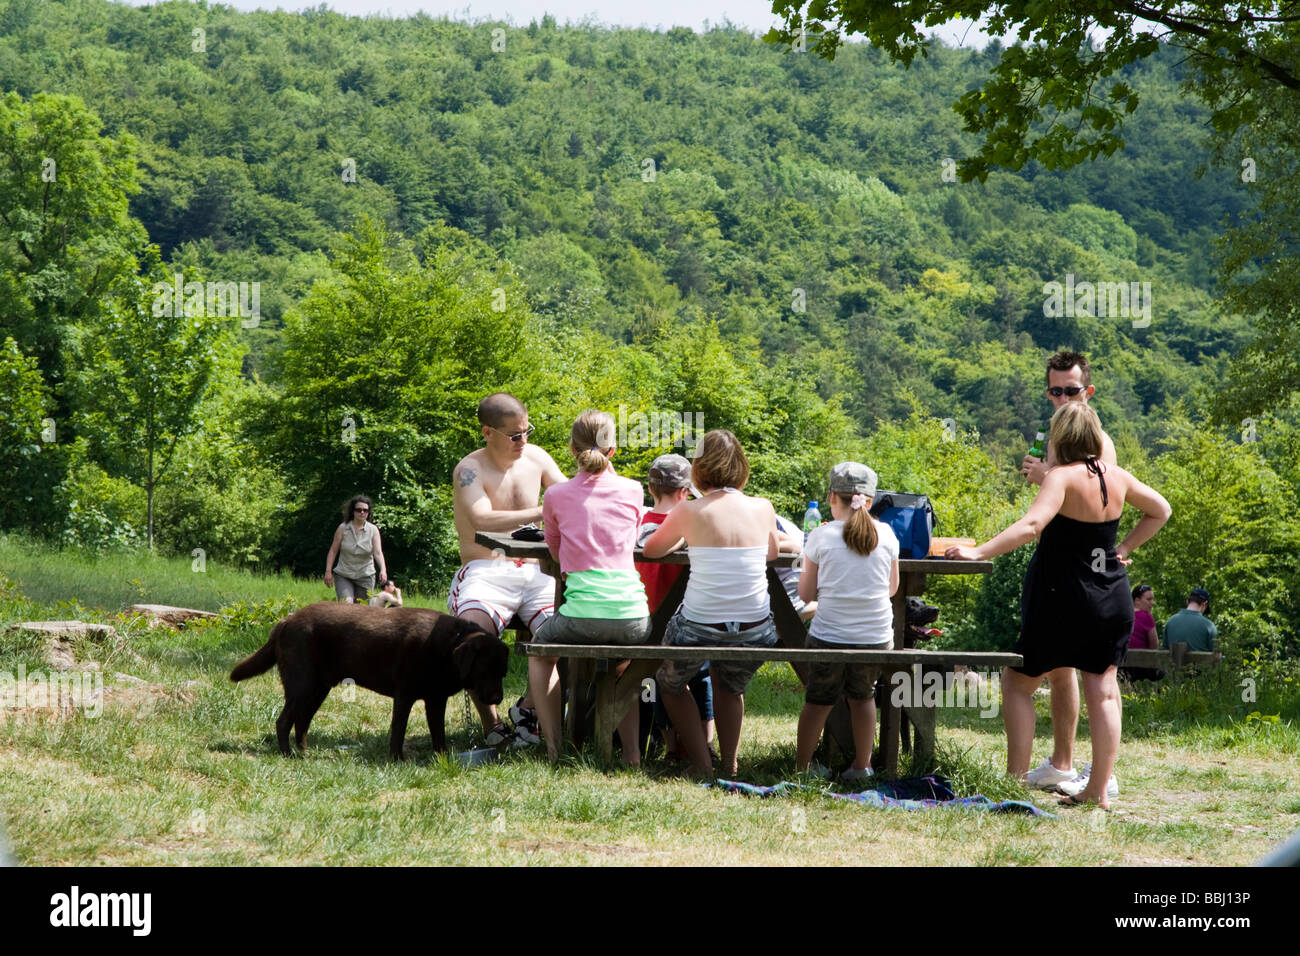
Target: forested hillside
(670,222)
(772,172)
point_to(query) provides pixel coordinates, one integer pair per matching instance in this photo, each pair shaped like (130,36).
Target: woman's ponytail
(860,530)
(592,431)
(591,460)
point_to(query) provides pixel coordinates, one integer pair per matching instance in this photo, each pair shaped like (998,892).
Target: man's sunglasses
(1056,391)
(517,436)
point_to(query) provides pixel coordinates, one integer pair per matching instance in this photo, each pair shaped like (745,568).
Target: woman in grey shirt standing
(358,548)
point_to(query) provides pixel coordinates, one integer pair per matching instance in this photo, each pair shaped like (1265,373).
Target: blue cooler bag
(910,516)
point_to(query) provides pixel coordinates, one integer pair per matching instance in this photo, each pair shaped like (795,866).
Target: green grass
(76,581)
(184,768)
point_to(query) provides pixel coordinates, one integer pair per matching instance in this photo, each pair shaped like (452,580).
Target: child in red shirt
(670,481)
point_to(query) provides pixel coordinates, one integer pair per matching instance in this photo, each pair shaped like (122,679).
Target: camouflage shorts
(731,676)
(826,681)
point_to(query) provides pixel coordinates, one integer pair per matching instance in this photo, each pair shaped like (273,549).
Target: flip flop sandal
(1072,801)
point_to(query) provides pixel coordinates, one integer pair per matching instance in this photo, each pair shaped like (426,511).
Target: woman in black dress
(1076,604)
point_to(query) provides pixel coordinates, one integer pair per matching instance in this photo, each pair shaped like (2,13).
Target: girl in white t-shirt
(850,568)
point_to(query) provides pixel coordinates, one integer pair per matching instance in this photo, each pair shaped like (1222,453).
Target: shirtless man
(1069,379)
(496,488)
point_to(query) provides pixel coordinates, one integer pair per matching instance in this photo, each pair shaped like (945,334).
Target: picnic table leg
(668,606)
(891,718)
(604,724)
(889,715)
(627,694)
(617,690)
(580,677)
(923,720)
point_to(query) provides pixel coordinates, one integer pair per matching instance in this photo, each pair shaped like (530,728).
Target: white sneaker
(1047,777)
(857,776)
(1072,788)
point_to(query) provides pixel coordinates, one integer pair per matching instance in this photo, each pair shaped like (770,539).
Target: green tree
(65,230)
(1050,98)
(24,401)
(142,369)
(1055,98)
(222,493)
(383,366)
(1235,530)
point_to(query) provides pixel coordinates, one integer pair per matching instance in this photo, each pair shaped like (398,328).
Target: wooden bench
(1167,660)
(616,691)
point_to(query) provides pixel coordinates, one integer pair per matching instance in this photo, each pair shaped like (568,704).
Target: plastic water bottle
(812,517)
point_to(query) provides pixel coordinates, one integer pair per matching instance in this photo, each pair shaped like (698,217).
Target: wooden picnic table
(791,634)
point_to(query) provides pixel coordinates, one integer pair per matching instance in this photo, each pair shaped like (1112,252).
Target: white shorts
(502,588)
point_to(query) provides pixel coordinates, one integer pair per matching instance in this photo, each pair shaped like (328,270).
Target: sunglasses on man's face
(1056,391)
(517,436)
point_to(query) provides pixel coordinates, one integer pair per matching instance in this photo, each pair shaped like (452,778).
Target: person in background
(1144,634)
(358,547)
(850,567)
(591,525)
(1190,626)
(670,483)
(390,596)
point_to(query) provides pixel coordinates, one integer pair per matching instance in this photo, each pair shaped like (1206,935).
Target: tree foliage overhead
(1063,94)
(1051,97)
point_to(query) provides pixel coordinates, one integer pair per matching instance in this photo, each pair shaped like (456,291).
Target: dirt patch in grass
(141,698)
(571,846)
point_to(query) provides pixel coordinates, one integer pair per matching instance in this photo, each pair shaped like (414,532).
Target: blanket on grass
(914,793)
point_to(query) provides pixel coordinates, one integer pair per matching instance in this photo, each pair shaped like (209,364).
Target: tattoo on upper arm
(467,477)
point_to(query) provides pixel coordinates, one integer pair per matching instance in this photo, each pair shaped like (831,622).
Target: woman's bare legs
(685,715)
(544,688)
(1101,693)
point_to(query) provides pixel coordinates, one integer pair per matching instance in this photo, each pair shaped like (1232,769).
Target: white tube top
(727,584)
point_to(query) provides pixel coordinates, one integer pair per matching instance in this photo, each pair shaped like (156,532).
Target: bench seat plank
(1162,658)
(802,655)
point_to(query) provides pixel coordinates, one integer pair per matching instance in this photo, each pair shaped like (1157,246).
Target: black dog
(406,653)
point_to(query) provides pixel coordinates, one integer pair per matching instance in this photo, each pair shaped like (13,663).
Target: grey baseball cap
(671,471)
(853,478)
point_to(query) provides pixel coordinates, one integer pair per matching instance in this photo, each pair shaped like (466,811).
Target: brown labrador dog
(406,653)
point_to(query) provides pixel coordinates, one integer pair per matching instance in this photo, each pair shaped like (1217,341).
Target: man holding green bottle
(1069,379)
